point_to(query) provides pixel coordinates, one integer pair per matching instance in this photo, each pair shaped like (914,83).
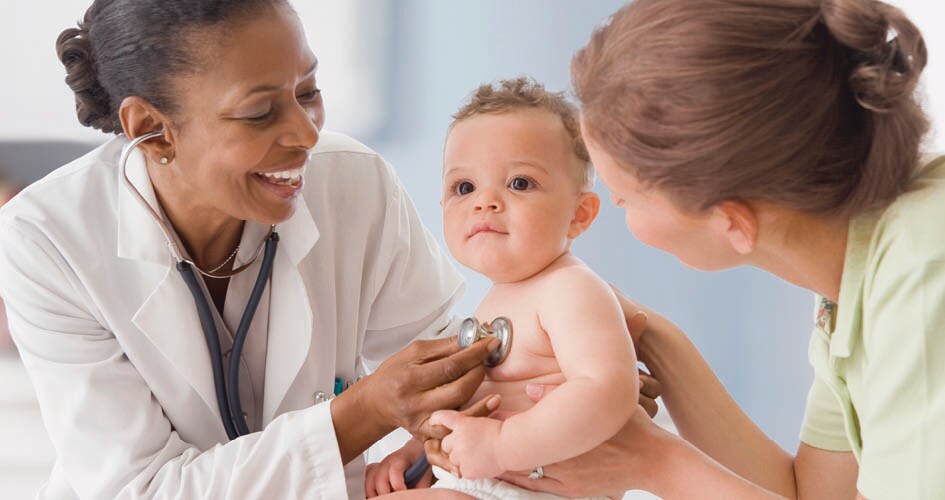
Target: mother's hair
(804,103)
(127,48)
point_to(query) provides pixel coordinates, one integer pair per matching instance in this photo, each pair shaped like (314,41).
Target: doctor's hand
(425,376)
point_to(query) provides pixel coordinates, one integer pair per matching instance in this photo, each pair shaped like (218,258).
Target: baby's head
(516,180)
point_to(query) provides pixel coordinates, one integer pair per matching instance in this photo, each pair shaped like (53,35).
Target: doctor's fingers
(435,454)
(482,408)
(447,369)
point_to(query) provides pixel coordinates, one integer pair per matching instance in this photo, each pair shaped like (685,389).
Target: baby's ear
(585,212)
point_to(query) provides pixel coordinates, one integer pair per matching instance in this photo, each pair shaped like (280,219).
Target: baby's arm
(586,327)
(587,330)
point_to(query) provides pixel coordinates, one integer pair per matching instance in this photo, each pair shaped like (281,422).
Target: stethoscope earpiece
(472,331)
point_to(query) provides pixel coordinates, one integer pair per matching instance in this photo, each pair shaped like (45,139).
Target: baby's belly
(512,389)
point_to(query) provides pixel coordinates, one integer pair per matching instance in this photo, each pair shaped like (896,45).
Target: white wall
(35,102)
(929,16)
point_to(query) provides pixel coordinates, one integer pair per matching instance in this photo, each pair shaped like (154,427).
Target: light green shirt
(879,362)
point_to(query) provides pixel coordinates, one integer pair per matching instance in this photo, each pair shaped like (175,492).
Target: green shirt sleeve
(902,413)
(823,419)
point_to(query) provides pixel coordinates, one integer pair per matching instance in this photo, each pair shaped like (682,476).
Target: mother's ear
(139,117)
(585,212)
(738,222)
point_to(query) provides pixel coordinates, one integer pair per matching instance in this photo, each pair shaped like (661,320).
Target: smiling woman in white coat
(107,324)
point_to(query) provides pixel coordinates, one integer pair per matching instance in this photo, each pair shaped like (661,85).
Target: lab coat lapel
(290,316)
(168,317)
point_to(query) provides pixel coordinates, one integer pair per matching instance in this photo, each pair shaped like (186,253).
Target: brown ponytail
(789,101)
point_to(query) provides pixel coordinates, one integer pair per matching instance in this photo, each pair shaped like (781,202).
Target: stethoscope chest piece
(501,328)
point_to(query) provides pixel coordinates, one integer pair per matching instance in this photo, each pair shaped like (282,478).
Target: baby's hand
(388,475)
(471,446)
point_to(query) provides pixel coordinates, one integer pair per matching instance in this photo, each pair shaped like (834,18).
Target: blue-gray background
(751,327)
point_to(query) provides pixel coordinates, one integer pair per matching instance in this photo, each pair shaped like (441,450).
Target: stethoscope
(470,332)
(228,399)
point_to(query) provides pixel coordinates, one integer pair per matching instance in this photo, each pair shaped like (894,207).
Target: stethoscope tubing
(236,405)
(228,400)
(213,343)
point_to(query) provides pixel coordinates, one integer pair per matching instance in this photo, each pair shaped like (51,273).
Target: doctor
(106,325)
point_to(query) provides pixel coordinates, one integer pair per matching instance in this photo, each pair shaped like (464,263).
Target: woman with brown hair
(785,135)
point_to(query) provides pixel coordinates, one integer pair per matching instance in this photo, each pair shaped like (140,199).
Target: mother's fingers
(649,405)
(649,386)
(548,483)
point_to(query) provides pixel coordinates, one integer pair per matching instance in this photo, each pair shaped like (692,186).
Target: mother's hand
(622,463)
(425,376)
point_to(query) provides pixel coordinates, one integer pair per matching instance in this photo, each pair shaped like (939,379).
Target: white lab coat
(112,342)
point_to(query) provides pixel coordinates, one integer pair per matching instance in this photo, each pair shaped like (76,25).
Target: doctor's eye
(463,188)
(521,184)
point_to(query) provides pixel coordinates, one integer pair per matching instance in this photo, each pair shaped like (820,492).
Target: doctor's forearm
(356,427)
(707,416)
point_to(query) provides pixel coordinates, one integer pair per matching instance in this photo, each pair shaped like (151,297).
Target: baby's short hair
(524,93)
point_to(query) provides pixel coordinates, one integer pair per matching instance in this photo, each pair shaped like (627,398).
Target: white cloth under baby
(492,489)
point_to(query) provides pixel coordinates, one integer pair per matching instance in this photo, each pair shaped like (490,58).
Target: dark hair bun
(92,102)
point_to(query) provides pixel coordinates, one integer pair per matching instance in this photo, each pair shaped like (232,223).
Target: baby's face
(509,193)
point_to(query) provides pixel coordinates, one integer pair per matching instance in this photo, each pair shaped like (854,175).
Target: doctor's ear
(738,222)
(139,117)
(584,214)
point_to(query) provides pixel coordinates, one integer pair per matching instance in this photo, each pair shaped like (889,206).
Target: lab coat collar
(169,319)
(139,235)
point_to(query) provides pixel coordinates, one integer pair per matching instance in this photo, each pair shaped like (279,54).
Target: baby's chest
(530,348)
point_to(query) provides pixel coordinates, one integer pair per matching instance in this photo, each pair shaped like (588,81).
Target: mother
(784,135)
(107,327)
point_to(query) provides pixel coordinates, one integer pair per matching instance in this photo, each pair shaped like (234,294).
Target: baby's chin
(503,274)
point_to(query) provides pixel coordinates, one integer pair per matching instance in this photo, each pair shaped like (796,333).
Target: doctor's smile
(285,181)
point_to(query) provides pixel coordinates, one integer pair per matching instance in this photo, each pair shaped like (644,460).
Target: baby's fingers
(370,476)
(396,475)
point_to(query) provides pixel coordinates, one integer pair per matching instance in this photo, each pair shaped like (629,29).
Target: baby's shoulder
(573,278)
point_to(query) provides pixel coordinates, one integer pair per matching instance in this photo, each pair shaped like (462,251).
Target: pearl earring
(164,160)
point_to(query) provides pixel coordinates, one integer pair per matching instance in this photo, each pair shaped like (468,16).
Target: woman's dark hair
(127,48)
(805,103)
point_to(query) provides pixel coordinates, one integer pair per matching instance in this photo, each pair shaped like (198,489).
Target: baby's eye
(521,184)
(463,188)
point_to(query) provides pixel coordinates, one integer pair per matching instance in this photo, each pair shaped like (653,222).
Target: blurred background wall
(392,72)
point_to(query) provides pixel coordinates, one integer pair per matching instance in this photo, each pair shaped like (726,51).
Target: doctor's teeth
(286,176)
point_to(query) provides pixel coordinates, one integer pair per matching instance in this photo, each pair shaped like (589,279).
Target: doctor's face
(246,122)
(509,193)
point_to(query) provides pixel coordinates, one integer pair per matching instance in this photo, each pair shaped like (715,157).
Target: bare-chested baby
(516,193)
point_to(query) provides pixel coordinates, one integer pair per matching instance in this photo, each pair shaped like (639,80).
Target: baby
(517,182)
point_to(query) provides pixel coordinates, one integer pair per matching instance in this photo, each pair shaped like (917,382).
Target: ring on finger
(537,473)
